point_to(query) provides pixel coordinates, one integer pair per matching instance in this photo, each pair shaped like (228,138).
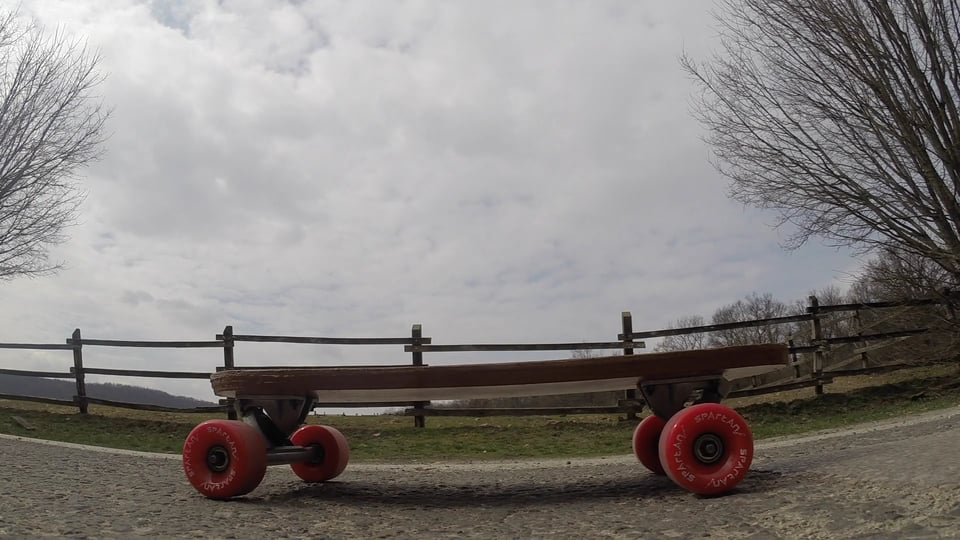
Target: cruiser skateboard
(690,437)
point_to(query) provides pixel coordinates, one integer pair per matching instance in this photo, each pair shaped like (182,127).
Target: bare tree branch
(51,125)
(753,307)
(684,342)
(843,117)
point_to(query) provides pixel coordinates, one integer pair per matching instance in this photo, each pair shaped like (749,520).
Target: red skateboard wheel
(334,449)
(706,448)
(224,458)
(646,443)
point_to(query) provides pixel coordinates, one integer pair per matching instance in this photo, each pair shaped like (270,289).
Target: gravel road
(887,480)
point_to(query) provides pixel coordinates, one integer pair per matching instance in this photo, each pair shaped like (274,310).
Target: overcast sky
(496,171)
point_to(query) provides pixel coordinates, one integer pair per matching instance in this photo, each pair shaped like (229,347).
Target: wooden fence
(227,341)
(816,348)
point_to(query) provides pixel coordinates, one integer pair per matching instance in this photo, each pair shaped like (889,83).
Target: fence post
(416,334)
(796,364)
(228,364)
(626,323)
(77,343)
(952,315)
(815,339)
(864,359)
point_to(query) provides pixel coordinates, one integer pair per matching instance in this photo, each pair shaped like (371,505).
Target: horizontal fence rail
(520,347)
(145,373)
(156,408)
(416,344)
(325,340)
(857,339)
(272,367)
(714,327)
(764,390)
(516,411)
(38,399)
(37,346)
(44,374)
(872,337)
(147,344)
(835,308)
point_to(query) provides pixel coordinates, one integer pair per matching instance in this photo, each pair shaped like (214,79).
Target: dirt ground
(887,480)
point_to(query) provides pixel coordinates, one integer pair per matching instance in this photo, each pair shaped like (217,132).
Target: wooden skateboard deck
(467,381)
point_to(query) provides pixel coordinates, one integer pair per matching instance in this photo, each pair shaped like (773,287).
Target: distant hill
(65,389)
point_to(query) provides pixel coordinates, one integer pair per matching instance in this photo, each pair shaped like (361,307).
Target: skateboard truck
(669,396)
(276,420)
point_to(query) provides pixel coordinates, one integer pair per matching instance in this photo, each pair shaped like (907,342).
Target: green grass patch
(862,405)
(393,438)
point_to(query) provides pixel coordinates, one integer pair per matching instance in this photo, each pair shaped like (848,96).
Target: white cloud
(497,171)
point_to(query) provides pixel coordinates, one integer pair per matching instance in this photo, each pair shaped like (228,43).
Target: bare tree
(892,276)
(831,324)
(753,307)
(830,295)
(684,342)
(583,353)
(844,117)
(51,124)
(897,275)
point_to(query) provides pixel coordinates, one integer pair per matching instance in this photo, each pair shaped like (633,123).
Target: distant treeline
(65,389)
